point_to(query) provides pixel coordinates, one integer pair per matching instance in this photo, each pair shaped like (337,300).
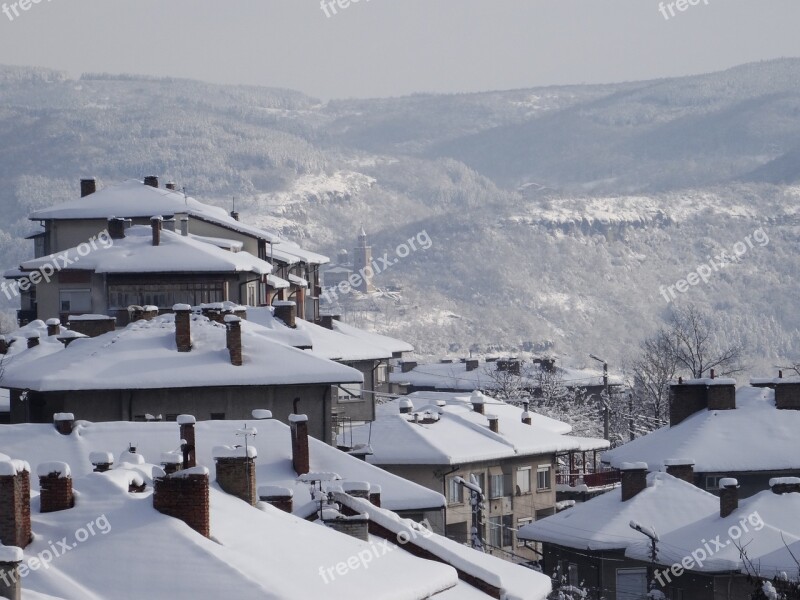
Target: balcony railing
(598,479)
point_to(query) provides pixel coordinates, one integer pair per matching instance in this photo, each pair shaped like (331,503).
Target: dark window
(166,295)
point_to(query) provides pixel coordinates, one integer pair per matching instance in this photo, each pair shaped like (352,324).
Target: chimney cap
(156,218)
(298,418)
(186,420)
(406,403)
(728,482)
(48,468)
(633,466)
(231,319)
(101,458)
(11,554)
(274,491)
(679,462)
(355,486)
(784,481)
(477,397)
(284,303)
(261,414)
(181,307)
(53,322)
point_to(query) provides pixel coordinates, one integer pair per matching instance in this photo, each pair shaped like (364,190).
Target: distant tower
(362,263)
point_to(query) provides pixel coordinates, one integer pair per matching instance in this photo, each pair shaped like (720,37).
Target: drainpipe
(444,493)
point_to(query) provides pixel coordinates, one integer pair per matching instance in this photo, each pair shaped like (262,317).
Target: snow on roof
(135,253)
(306,256)
(603,523)
(224,243)
(147,349)
(460,435)
(762,521)
(131,199)
(374,339)
(39,443)
(714,438)
(454,376)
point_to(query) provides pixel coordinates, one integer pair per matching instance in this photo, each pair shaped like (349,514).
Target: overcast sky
(395,47)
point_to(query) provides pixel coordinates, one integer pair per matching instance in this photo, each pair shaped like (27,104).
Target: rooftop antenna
(185,197)
(246,432)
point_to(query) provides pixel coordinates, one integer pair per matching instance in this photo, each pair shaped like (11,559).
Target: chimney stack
(4,345)
(101,461)
(33,339)
(406,406)
(88,186)
(787,395)
(171,462)
(151,180)
(728,496)
(184,495)
(472,364)
(169,224)
(477,400)
(15,502)
(64,422)
(183,328)
(233,337)
(375,494)
(53,327)
(55,484)
(408,365)
(279,497)
(116,228)
(234,215)
(689,397)
(187,423)
(300,298)
(526,416)
(171,185)
(10,578)
(785,485)
(634,479)
(184,220)
(155,224)
(356,489)
(681,468)
(300,455)
(286,311)
(236,471)
(494,423)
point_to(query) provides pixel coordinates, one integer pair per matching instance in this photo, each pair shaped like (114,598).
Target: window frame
(547,470)
(529,484)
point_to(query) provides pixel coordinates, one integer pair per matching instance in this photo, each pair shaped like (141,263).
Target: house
(709,422)
(440,439)
(228,534)
(171,364)
(660,533)
(136,202)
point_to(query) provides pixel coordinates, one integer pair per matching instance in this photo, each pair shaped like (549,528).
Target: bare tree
(697,350)
(653,369)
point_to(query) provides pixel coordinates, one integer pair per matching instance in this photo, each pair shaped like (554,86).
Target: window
(500,532)
(572,575)
(165,295)
(496,486)
(712,481)
(523,480)
(520,524)
(481,479)
(349,392)
(75,301)
(454,492)
(631,584)
(543,478)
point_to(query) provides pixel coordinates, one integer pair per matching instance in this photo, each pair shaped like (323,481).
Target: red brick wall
(56,493)
(237,477)
(184,498)
(15,510)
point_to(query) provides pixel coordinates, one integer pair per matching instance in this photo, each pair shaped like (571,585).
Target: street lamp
(605,401)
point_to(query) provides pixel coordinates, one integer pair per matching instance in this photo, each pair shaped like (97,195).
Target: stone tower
(362,263)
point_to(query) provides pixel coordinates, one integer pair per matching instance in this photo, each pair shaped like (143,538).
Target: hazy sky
(393,47)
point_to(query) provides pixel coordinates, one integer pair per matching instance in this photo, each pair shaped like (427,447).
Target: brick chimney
(188,447)
(634,479)
(234,215)
(116,228)
(233,339)
(279,497)
(406,406)
(88,186)
(101,461)
(15,503)
(300,455)
(183,328)
(4,345)
(151,180)
(184,495)
(326,321)
(286,311)
(408,365)
(184,221)
(53,327)
(236,471)
(64,423)
(300,298)
(494,423)
(680,468)
(171,462)
(356,526)
(33,339)
(787,395)
(526,416)
(728,496)
(171,185)
(721,397)
(471,364)
(478,401)
(10,578)
(357,489)
(92,325)
(690,397)
(785,485)
(55,484)
(375,494)
(155,224)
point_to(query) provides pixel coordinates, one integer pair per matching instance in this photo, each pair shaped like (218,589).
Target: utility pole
(630,415)
(476,500)
(606,412)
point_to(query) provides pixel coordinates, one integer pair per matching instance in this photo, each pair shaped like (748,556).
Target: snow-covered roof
(603,523)
(148,352)
(454,376)
(390,344)
(135,253)
(134,545)
(133,199)
(713,438)
(459,435)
